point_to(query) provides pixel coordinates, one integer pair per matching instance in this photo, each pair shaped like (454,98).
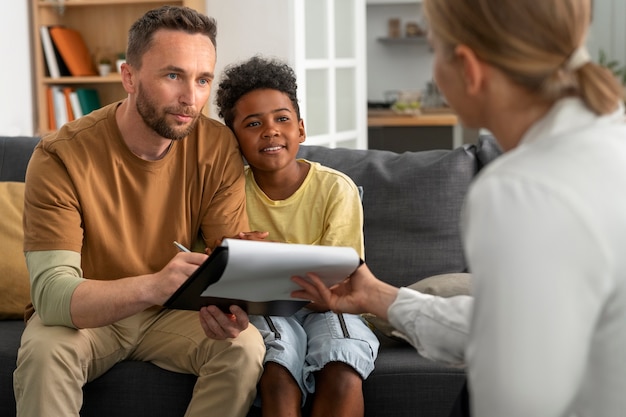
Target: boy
(297,201)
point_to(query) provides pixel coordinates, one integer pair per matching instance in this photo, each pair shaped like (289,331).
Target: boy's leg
(228,370)
(341,353)
(281,388)
(338,392)
(54,362)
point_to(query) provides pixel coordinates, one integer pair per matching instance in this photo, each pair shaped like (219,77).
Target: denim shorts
(306,341)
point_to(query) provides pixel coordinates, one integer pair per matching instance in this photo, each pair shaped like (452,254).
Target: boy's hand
(255,235)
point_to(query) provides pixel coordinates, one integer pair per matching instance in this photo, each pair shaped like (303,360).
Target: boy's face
(268,129)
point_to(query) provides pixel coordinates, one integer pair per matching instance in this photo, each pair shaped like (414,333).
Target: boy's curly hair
(256,73)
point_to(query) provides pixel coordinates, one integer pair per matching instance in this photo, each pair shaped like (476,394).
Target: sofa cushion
(412,204)
(14,156)
(14,283)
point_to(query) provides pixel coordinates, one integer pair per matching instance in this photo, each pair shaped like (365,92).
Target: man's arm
(61,297)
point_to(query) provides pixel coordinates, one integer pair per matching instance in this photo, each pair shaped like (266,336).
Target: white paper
(262,271)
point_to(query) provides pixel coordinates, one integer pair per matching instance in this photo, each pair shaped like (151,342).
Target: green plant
(613,65)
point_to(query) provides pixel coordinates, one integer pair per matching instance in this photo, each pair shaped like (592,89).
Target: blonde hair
(530,41)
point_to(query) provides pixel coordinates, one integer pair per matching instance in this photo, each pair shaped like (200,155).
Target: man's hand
(219,325)
(362,292)
(172,276)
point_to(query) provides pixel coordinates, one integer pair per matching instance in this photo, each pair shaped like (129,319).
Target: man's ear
(128,77)
(473,69)
(302,132)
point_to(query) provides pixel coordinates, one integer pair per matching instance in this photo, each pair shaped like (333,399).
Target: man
(105,198)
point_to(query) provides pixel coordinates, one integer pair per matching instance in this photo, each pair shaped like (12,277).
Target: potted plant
(104,66)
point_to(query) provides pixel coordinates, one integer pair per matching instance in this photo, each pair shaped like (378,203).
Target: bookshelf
(104,26)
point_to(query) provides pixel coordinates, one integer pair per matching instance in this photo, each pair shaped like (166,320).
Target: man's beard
(157,122)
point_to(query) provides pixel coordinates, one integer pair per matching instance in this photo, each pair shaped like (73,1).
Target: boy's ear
(302,131)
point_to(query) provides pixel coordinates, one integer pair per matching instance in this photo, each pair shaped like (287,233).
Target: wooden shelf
(104,26)
(92,79)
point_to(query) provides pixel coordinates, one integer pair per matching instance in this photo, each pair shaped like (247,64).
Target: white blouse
(544,231)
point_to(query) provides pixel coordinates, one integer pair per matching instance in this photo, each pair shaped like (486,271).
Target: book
(89,99)
(60,106)
(48,52)
(256,276)
(68,103)
(54,62)
(73,50)
(50,101)
(76,109)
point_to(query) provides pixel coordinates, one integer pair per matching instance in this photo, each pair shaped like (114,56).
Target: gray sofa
(411,202)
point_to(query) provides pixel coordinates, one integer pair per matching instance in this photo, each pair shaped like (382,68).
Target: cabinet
(104,26)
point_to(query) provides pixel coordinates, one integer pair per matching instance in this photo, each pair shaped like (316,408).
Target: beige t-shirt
(86,192)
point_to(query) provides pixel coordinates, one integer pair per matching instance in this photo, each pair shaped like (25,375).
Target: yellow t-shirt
(87,192)
(325,210)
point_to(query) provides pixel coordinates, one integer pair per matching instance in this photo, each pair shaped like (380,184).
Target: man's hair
(254,74)
(181,18)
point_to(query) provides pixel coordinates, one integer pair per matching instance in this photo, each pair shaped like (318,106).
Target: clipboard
(256,276)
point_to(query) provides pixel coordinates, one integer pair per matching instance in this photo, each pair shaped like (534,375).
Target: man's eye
(204,82)
(172,76)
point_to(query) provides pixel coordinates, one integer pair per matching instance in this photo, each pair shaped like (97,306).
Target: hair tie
(577,59)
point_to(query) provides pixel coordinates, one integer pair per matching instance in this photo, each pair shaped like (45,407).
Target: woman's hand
(360,293)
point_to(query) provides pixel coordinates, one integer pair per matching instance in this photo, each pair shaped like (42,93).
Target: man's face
(174,82)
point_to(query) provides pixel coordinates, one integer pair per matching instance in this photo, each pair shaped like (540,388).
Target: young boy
(297,201)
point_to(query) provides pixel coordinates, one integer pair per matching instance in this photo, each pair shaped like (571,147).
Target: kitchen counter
(384,117)
(436,118)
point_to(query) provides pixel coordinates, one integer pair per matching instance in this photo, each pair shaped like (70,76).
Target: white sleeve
(538,278)
(437,327)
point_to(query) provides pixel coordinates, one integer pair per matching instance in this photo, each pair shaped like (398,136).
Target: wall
(16,94)
(608,30)
(268,31)
(404,66)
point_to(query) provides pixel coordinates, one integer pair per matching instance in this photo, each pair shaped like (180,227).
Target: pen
(181,247)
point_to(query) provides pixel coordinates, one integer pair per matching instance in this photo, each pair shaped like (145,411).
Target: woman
(544,227)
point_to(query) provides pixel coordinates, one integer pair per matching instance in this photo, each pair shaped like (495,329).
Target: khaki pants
(54,362)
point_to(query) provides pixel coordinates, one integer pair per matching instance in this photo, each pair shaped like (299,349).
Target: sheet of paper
(262,271)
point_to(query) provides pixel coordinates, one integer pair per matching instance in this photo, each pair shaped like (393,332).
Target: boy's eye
(283,118)
(253,124)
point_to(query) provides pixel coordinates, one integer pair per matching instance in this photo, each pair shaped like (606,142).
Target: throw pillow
(444,285)
(14,282)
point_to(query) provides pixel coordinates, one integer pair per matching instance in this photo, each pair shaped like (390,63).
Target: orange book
(70,112)
(51,119)
(73,50)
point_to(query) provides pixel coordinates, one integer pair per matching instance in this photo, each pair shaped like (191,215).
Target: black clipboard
(266,284)
(189,295)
